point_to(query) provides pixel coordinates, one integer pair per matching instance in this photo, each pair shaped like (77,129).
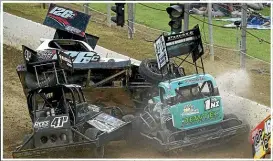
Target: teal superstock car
(187,112)
(194,101)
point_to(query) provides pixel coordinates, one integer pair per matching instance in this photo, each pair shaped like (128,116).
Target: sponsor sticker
(190,110)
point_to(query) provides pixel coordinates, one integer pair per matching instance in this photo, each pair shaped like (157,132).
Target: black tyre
(237,121)
(230,116)
(31,81)
(148,69)
(231,123)
(30,144)
(129,136)
(128,118)
(93,133)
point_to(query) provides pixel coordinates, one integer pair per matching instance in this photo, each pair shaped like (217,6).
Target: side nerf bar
(191,141)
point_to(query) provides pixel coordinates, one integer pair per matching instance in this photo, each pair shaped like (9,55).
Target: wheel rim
(154,68)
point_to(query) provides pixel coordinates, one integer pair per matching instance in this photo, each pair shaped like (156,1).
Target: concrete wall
(19,31)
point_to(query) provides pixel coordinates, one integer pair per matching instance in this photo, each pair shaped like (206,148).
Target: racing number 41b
(59,122)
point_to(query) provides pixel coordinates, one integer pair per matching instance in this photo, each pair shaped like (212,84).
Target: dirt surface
(249,84)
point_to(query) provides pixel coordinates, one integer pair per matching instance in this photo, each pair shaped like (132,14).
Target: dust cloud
(232,85)
(234,82)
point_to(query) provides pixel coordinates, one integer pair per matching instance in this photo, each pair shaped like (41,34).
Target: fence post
(130,8)
(85,8)
(210,32)
(43,5)
(243,47)
(186,17)
(109,14)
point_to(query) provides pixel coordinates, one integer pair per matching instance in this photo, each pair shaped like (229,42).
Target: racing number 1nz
(209,104)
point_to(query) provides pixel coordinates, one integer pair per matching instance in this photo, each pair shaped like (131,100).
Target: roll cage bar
(74,90)
(187,43)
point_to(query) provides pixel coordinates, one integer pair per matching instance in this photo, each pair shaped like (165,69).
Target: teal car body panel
(196,112)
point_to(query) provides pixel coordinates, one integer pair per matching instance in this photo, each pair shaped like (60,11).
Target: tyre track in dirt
(17,122)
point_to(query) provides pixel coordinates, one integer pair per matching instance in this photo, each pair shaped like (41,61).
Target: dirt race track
(17,122)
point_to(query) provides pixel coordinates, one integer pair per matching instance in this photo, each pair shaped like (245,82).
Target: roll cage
(64,98)
(189,93)
(68,45)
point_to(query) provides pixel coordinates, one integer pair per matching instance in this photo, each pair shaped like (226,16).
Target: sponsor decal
(200,118)
(67,19)
(62,16)
(189,110)
(73,29)
(260,138)
(41,124)
(161,52)
(198,79)
(27,55)
(180,41)
(46,54)
(267,126)
(211,103)
(180,36)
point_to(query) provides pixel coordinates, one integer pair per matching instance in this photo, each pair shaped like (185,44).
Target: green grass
(222,37)
(115,39)
(154,19)
(266,11)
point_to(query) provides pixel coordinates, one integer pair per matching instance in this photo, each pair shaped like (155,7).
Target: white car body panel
(45,46)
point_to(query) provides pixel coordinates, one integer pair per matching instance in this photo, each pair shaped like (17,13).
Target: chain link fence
(226,55)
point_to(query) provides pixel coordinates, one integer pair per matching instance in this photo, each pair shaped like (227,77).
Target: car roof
(45,43)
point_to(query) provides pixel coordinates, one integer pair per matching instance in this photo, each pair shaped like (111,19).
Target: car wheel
(93,133)
(148,69)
